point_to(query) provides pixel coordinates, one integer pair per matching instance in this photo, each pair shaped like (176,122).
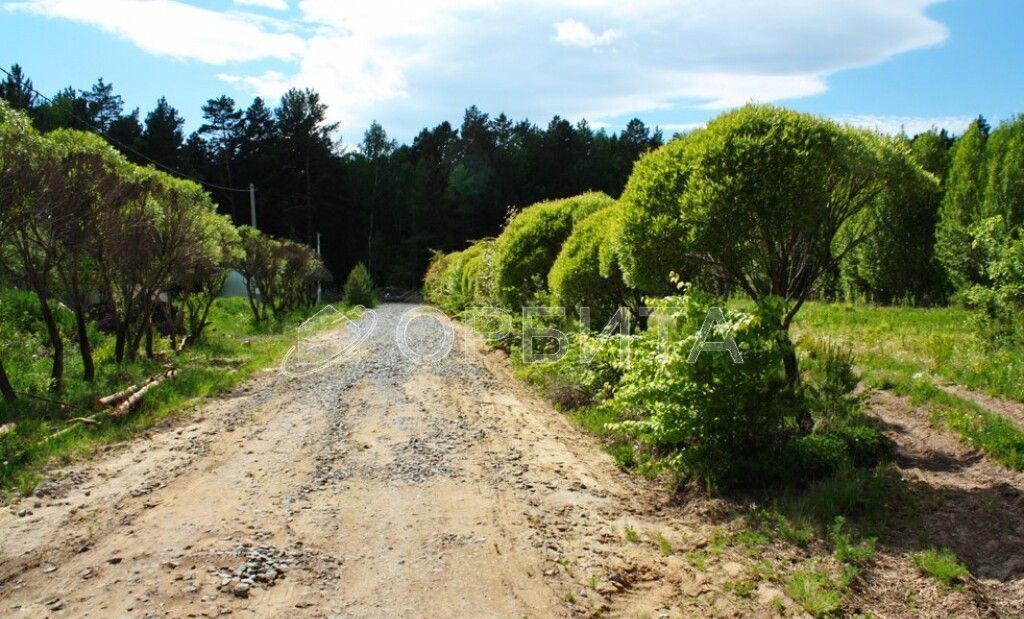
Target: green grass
(664,546)
(846,549)
(232,349)
(815,592)
(902,349)
(905,341)
(941,565)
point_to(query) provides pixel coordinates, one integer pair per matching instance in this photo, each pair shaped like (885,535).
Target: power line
(103,133)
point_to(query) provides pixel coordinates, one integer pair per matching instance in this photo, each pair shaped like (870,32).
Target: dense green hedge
(587,271)
(527,248)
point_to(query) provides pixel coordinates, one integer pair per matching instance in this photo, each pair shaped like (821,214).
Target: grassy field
(914,351)
(232,349)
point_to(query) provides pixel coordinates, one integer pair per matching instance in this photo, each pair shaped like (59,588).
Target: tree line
(376,201)
(130,249)
(774,207)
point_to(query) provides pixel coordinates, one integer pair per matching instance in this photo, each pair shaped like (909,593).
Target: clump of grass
(664,546)
(698,559)
(751,541)
(814,591)
(845,550)
(742,587)
(941,565)
(857,493)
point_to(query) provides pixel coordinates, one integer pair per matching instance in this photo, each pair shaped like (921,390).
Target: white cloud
(407,63)
(175,29)
(276,5)
(911,125)
(572,32)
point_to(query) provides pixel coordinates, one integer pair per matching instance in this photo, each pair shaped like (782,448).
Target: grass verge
(232,350)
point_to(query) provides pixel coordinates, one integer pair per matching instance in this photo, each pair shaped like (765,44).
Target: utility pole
(252,205)
(319,283)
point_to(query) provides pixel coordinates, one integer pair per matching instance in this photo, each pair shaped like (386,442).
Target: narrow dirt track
(376,487)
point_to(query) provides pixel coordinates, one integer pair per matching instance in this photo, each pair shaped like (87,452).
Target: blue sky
(885,64)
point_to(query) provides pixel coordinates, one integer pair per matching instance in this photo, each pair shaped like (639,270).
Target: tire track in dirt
(967,502)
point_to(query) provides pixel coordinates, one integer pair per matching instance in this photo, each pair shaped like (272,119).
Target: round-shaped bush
(586,272)
(527,248)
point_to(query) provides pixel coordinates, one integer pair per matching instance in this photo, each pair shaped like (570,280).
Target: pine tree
(17,89)
(162,137)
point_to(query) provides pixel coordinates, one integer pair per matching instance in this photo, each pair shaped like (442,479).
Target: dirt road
(379,486)
(392,478)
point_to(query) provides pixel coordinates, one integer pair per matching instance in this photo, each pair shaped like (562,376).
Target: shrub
(830,379)
(1000,299)
(359,287)
(433,281)
(757,192)
(586,272)
(652,233)
(898,262)
(714,417)
(527,248)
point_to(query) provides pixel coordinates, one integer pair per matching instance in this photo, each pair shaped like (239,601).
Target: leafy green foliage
(359,287)
(962,207)
(280,275)
(1001,299)
(714,415)
(654,243)
(758,190)
(830,378)
(526,250)
(896,263)
(586,272)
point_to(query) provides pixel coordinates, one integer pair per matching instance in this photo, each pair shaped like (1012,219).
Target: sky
(890,65)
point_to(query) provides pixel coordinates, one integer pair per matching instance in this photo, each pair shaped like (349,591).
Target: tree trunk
(136,340)
(57,373)
(120,340)
(84,346)
(149,340)
(790,364)
(792,369)
(5,385)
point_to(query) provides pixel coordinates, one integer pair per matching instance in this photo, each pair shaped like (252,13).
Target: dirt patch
(966,502)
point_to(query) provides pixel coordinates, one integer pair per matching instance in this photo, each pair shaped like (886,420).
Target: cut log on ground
(115,398)
(133,400)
